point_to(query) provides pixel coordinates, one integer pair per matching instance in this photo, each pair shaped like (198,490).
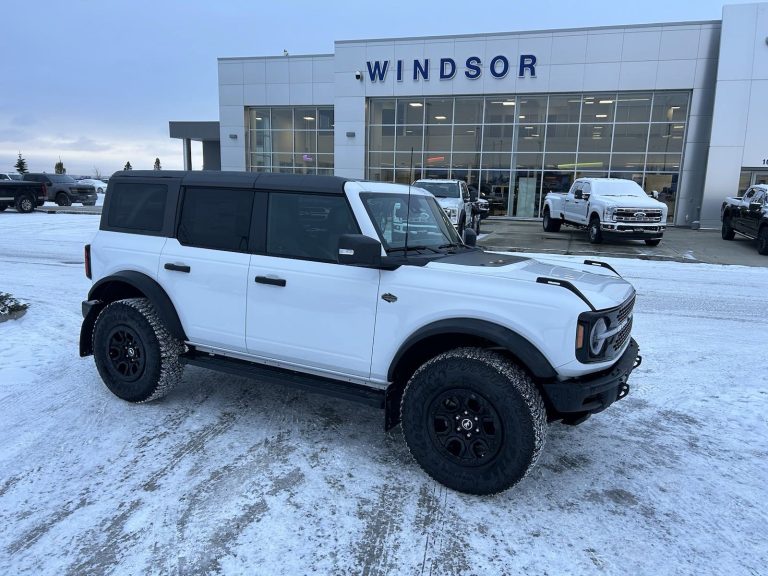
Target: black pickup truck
(747,215)
(24,196)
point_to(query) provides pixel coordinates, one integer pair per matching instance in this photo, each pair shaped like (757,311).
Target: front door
(304,309)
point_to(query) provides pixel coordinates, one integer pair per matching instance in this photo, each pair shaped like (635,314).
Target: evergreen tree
(128,166)
(157,164)
(21,165)
(58,168)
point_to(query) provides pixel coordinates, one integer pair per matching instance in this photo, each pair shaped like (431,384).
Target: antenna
(408,209)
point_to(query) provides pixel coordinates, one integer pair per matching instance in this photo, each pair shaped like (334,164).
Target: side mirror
(578,195)
(755,206)
(470,237)
(473,195)
(359,250)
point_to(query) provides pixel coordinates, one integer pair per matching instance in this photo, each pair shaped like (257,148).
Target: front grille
(622,336)
(623,313)
(637,215)
(626,309)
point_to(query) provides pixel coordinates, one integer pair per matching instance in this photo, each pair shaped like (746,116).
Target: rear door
(204,268)
(305,309)
(742,223)
(752,217)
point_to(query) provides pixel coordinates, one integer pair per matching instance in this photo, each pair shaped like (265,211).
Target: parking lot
(228,475)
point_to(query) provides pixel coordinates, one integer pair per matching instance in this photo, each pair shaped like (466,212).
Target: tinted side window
(308,225)
(216,218)
(138,206)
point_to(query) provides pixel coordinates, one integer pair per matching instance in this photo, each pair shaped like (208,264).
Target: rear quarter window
(137,207)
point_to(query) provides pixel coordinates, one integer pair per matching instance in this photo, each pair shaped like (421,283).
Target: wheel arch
(128,284)
(437,337)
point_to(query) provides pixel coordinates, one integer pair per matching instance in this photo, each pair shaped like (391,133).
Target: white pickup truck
(607,207)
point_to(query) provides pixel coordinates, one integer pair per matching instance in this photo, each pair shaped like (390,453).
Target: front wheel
(476,224)
(550,225)
(473,420)
(594,234)
(136,356)
(762,241)
(63,200)
(654,242)
(727,232)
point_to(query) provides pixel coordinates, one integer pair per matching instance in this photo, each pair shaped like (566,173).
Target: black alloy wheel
(63,200)
(127,357)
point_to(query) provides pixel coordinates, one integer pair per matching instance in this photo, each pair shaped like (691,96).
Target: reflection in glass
(438,110)
(633,107)
(593,161)
(437,138)
(562,137)
(532,108)
(467,137)
(598,107)
(670,107)
(666,138)
(595,138)
(282,119)
(410,110)
(530,138)
(381,111)
(560,161)
(630,137)
(500,110)
(468,111)
(564,108)
(627,162)
(498,138)
(381,137)
(409,137)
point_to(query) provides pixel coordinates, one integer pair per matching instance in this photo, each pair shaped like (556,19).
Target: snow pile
(10,305)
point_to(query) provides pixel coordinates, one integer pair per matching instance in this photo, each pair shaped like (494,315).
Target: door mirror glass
(359,250)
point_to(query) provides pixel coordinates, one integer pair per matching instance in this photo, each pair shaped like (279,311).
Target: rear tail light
(87,255)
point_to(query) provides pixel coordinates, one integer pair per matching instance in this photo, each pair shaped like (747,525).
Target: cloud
(82,144)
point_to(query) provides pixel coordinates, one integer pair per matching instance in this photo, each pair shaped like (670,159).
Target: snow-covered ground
(227,475)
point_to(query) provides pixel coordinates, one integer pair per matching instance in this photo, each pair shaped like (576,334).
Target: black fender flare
(517,345)
(127,284)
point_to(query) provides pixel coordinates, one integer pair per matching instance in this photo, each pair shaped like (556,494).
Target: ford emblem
(639,214)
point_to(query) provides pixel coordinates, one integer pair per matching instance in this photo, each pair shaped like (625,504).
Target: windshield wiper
(451,245)
(409,248)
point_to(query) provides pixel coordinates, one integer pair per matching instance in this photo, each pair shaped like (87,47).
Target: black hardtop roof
(257,180)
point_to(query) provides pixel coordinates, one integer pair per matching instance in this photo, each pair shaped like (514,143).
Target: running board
(270,374)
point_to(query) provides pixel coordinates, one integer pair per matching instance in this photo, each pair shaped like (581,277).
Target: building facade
(675,107)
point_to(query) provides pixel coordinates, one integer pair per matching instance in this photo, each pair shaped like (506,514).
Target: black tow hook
(638,361)
(623,391)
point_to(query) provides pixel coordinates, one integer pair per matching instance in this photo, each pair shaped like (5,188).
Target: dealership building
(679,108)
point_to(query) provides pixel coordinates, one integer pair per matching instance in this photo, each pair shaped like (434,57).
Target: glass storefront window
(325,141)
(468,111)
(498,138)
(305,141)
(593,161)
(562,137)
(500,110)
(437,160)
(409,137)
(559,181)
(381,111)
(381,159)
(282,119)
(560,161)
(466,161)
(630,137)
(525,198)
(410,111)
(405,159)
(282,141)
(530,138)
(670,107)
(633,107)
(325,119)
(595,138)
(598,107)
(532,109)
(666,138)
(564,108)
(662,162)
(495,185)
(526,161)
(438,110)
(467,138)
(259,118)
(627,162)
(381,137)
(304,119)
(496,161)
(437,138)
(663,187)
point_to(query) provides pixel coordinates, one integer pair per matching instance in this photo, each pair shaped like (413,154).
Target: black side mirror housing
(755,206)
(359,250)
(470,237)
(473,195)
(578,195)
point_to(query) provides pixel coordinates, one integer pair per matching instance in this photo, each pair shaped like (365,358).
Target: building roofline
(538,32)
(276,56)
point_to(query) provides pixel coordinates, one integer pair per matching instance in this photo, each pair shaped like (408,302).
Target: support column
(187,154)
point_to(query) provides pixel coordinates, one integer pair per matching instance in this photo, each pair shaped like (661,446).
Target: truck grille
(638,215)
(624,313)
(622,336)
(626,309)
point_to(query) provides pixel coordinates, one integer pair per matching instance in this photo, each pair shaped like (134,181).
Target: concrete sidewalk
(679,244)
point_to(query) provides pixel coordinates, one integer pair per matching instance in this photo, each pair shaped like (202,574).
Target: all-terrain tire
(63,200)
(727,232)
(653,242)
(594,234)
(762,240)
(550,224)
(473,420)
(25,204)
(135,354)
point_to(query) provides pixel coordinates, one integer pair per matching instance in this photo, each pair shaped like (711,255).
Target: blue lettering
(451,72)
(504,67)
(527,62)
(399,70)
(473,68)
(378,71)
(419,69)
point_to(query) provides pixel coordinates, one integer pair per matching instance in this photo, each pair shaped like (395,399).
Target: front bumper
(85,198)
(631,231)
(580,397)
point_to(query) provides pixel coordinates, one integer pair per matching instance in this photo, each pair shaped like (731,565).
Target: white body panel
(117,251)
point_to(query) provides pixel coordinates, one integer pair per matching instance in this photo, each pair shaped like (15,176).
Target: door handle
(177,267)
(270,281)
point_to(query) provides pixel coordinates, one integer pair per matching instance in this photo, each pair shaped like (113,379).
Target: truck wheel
(63,200)
(550,225)
(594,234)
(476,223)
(460,226)
(727,232)
(136,356)
(25,204)
(654,242)
(762,241)
(473,420)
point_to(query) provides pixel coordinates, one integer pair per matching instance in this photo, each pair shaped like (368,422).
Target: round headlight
(597,337)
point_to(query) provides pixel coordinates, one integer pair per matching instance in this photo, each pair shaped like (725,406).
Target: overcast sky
(95,82)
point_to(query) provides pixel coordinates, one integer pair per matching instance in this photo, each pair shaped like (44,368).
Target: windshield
(14,176)
(428,227)
(627,188)
(61,178)
(440,189)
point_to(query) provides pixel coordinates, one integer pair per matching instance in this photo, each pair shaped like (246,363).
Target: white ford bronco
(361,290)
(607,207)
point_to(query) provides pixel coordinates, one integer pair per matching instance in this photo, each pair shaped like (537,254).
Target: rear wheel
(550,224)
(654,242)
(594,234)
(727,232)
(473,420)
(136,356)
(25,204)
(762,241)
(63,200)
